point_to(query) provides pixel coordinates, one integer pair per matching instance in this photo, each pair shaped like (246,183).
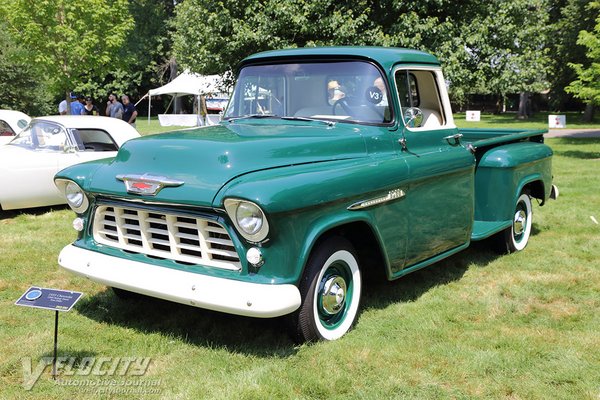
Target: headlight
(248,218)
(76,198)
(74,195)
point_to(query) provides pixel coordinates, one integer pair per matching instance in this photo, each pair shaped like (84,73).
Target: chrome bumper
(219,294)
(554,192)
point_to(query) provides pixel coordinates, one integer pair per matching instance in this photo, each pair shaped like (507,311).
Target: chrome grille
(185,239)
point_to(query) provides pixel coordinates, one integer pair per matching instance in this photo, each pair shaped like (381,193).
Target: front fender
(302,203)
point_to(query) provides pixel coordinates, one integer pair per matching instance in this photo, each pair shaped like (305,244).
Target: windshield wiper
(248,116)
(328,123)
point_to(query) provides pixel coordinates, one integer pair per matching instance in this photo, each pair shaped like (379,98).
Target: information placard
(557,121)
(49,299)
(473,115)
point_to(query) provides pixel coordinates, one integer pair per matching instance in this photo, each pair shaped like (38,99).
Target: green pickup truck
(329,164)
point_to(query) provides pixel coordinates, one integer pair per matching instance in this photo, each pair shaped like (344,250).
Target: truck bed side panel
(501,174)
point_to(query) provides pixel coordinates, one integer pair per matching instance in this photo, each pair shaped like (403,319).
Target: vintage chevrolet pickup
(329,164)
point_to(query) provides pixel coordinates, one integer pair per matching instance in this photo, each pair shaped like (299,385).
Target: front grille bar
(188,240)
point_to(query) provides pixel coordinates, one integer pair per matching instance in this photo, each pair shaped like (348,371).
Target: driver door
(441,172)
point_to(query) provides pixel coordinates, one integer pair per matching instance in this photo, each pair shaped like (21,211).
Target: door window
(5,129)
(419,99)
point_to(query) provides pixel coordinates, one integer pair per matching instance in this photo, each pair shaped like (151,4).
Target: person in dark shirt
(90,108)
(129,111)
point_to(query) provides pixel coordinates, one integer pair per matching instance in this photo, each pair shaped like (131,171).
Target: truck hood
(205,159)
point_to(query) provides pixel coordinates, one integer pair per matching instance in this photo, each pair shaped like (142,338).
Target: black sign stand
(50,299)
(55,345)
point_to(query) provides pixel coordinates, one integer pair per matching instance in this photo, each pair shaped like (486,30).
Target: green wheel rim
(337,272)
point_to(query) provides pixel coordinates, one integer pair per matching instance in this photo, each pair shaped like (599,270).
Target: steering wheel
(343,104)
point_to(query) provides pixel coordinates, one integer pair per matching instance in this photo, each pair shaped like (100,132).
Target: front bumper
(219,294)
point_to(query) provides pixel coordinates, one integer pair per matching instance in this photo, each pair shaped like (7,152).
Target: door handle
(456,137)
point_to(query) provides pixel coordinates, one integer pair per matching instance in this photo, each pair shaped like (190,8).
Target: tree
(143,55)
(213,36)
(568,18)
(505,46)
(69,40)
(587,85)
(20,88)
(486,47)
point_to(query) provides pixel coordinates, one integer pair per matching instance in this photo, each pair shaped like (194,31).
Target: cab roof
(384,56)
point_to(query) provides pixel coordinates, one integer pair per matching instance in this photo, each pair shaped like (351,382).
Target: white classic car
(29,162)
(11,123)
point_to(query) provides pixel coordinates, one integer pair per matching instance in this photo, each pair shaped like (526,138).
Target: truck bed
(478,137)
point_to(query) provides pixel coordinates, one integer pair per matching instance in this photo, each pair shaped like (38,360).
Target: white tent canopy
(186,84)
(189,83)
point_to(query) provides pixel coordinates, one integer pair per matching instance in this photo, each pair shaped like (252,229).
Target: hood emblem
(147,185)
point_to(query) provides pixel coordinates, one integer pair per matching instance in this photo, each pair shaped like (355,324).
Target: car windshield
(42,135)
(349,91)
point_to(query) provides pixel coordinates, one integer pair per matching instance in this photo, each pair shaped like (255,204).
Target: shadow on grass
(577,141)
(579,153)
(256,336)
(263,337)
(9,214)
(582,155)
(380,294)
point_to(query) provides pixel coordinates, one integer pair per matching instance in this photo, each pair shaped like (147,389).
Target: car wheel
(516,237)
(330,289)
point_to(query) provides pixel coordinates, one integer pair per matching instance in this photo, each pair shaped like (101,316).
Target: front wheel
(516,237)
(330,289)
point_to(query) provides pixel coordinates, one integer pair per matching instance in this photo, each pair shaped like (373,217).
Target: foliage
(213,36)
(141,57)
(587,84)
(568,18)
(505,49)
(486,47)
(68,40)
(20,87)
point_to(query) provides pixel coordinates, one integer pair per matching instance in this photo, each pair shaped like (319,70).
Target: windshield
(42,135)
(352,91)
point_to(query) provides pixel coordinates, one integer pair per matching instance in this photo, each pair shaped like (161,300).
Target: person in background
(114,108)
(62,106)
(89,108)
(129,111)
(77,105)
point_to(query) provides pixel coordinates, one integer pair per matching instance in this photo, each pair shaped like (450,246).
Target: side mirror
(413,117)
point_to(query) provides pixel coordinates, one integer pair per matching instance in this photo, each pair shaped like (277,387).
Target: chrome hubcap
(333,294)
(519,222)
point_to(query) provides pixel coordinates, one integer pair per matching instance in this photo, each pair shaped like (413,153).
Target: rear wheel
(516,237)
(330,289)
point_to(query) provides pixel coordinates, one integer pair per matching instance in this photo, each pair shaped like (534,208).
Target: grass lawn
(146,127)
(538,121)
(523,326)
